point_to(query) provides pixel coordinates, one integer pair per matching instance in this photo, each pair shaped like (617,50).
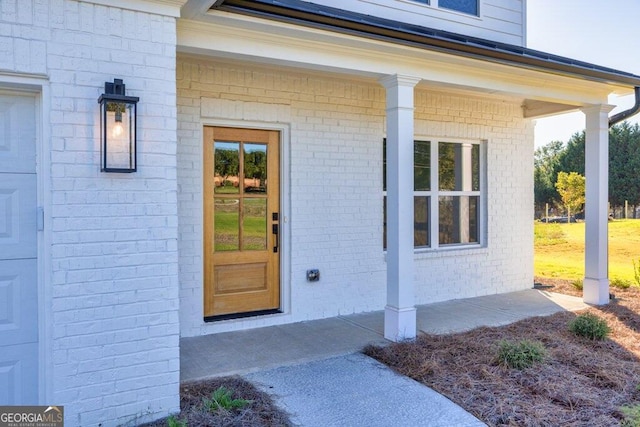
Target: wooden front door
(241,222)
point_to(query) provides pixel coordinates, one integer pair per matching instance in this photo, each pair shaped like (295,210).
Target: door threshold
(241,315)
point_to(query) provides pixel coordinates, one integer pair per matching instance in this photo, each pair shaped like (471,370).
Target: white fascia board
(195,8)
(156,7)
(234,36)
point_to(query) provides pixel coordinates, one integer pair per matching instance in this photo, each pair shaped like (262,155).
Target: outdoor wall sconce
(118,114)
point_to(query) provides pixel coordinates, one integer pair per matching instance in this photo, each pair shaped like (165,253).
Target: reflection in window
(459,167)
(421,166)
(226,167)
(240,202)
(226,225)
(255,168)
(464,6)
(421,222)
(458,220)
(450,208)
(254,224)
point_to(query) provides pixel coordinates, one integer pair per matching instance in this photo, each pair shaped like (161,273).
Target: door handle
(275,216)
(276,236)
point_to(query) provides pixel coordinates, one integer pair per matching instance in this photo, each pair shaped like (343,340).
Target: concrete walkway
(355,390)
(317,373)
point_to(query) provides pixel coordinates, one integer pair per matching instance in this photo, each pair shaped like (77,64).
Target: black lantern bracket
(118,119)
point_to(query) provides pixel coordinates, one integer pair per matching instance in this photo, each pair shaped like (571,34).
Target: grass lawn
(559,250)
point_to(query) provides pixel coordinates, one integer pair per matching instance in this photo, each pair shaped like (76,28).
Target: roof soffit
(263,41)
(335,19)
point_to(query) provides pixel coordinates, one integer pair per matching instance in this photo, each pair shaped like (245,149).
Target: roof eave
(323,17)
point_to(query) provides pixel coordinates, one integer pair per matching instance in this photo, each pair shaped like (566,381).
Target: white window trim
(435,4)
(434,195)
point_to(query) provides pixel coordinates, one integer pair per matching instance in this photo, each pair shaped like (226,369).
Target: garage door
(18,251)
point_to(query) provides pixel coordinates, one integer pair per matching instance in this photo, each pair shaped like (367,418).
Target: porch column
(596,280)
(400,311)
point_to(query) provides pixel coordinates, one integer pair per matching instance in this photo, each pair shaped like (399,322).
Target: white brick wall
(113,278)
(333,184)
(507,262)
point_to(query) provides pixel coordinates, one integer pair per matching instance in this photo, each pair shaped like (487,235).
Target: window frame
(434,194)
(436,5)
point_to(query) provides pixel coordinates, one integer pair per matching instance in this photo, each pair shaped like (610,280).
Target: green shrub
(521,354)
(222,399)
(617,282)
(631,416)
(578,284)
(589,326)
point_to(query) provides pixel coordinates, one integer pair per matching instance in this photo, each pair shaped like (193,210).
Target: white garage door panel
(17,133)
(19,362)
(18,302)
(18,218)
(18,376)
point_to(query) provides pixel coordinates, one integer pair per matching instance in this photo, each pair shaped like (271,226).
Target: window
(464,6)
(447,193)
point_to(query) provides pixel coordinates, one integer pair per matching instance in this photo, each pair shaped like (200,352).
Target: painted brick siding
(506,264)
(113,353)
(333,188)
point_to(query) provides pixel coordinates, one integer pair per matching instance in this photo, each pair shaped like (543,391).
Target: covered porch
(242,352)
(432,87)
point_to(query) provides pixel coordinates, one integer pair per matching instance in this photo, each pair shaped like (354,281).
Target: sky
(605,33)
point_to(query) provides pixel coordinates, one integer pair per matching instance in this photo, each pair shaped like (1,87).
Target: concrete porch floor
(260,349)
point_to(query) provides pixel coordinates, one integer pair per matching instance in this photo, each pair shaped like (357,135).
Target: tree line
(624,167)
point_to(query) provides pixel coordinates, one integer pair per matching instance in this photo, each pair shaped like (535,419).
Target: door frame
(285,211)
(37,85)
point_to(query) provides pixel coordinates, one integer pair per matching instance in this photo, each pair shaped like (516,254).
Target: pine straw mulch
(579,383)
(261,412)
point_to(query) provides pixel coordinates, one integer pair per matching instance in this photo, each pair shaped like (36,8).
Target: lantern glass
(118,135)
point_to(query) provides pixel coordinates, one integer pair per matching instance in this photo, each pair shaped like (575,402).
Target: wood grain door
(241,222)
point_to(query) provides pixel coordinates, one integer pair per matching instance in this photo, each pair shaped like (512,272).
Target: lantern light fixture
(118,117)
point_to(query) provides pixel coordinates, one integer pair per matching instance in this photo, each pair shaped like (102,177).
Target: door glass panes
(254,224)
(421,222)
(458,216)
(240,196)
(459,167)
(464,6)
(421,166)
(226,224)
(255,168)
(227,167)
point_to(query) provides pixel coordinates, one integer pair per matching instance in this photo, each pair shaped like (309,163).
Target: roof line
(333,19)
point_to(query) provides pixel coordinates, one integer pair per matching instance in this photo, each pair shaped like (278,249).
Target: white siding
(499,20)
(113,353)
(334,188)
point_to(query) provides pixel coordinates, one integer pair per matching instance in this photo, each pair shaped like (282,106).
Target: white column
(400,311)
(596,280)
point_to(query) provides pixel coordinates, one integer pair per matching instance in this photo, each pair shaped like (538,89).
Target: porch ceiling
(262,40)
